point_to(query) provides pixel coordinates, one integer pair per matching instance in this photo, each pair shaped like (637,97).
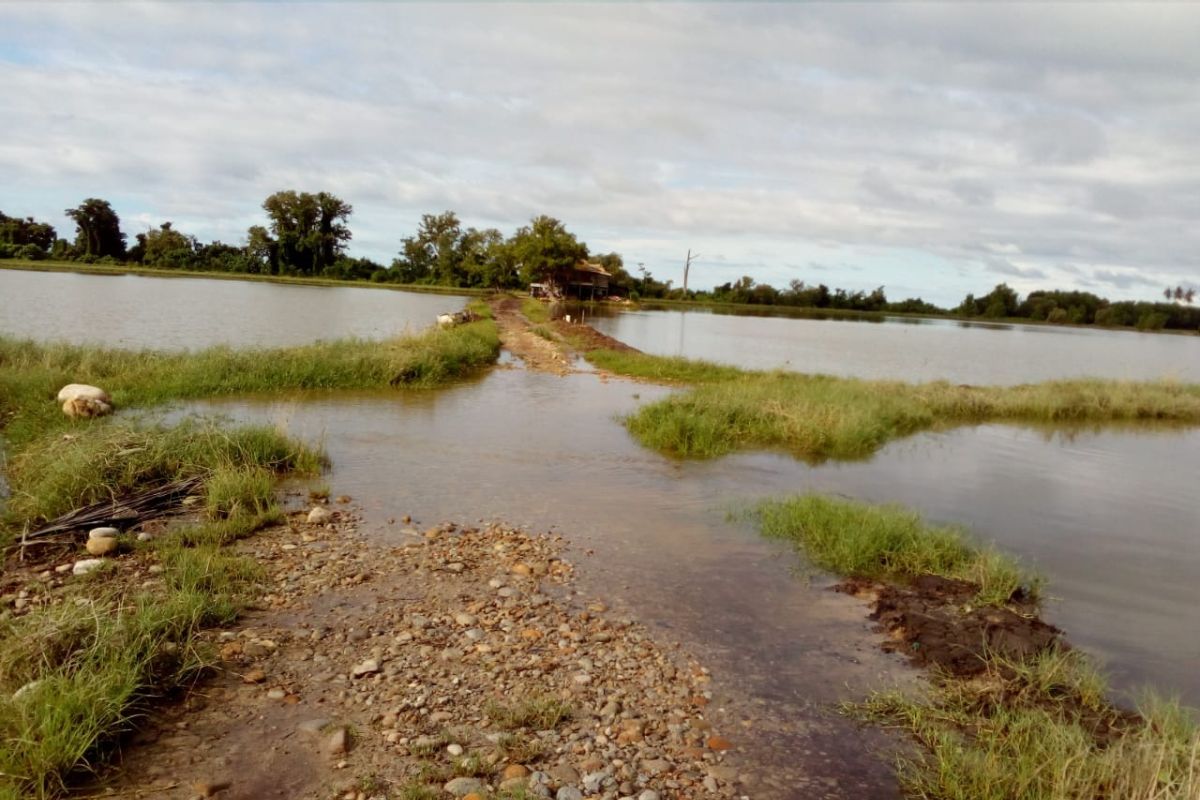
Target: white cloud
(913,139)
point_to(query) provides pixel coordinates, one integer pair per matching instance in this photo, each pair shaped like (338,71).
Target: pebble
(338,742)
(649,794)
(454,749)
(102,546)
(145,536)
(103,533)
(464,619)
(368,667)
(86,565)
(312,727)
(460,787)
(319,515)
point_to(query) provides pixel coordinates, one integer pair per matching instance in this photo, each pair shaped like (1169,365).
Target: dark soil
(933,621)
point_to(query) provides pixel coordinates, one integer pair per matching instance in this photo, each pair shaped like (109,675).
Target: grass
(1039,730)
(890,543)
(536,713)
(32,373)
(535,310)
(87,669)
(818,417)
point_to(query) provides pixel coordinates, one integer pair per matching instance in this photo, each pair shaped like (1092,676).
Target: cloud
(1002,266)
(1124,280)
(908,139)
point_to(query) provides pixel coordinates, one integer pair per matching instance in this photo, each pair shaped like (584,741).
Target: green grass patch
(72,677)
(890,543)
(535,310)
(1040,730)
(537,713)
(818,417)
(53,474)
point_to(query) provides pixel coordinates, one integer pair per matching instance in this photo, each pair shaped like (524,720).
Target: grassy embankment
(102,269)
(91,653)
(817,417)
(1042,729)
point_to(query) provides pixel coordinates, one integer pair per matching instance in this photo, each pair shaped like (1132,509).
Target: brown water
(136,312)
(1109,517)
(905,348)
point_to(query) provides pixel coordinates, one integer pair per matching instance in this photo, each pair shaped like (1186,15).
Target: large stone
(338,742)
(101,547)
(83,391)
(568,793)
(368,667)
(103,533)
(320,515)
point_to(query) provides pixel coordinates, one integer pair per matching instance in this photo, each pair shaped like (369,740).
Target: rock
(655,766)
(368,667)
(649,794)
(454,749)
(312,727)
(26,689)
(718,743)
(593,781)
(254,676)
(320,515)
(564,774)
(82,408)
(513,771)
(86,565)
(276,694)
(102,547)
(568,793)
(61,568)
(338,742)
(464,619)
(77,391)
(145,537)
(210,788)
(461,787)
(103,533)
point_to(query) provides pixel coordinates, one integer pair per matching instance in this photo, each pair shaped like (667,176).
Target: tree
(434,253)
(309,230)
(166,247)
(23,232)
(97,229)
(546,251)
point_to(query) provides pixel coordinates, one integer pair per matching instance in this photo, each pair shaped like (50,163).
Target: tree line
(307,234)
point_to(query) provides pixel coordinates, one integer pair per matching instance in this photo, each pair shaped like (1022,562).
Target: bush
(1152,321)
(31,252)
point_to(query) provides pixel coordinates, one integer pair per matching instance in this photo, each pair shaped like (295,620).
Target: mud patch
(933,622)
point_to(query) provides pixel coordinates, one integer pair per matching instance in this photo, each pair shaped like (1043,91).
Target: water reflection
(133,311)
(905,348)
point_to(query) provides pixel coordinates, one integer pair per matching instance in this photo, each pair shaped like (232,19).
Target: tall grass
(818,417)
(889,543)
(84,668)
(1040,730)
(32,373)
(52,474)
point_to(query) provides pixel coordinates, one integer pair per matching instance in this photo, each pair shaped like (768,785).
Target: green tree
(546,251)
(97,229)
(166,247)
(309,230)
(435,253)
(22,232)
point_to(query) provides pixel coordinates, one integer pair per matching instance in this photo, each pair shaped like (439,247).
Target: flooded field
(135,312)
(908,349)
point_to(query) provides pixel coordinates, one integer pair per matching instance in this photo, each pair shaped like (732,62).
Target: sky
(932,149)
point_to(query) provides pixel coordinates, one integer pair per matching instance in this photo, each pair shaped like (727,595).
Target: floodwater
(1110,517)
(905,348)
(136,311)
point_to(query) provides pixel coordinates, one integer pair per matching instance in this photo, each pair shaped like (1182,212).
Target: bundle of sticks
(121,513)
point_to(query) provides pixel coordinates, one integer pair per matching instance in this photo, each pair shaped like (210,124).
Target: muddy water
(1110,517)
(136,312)
(907,349)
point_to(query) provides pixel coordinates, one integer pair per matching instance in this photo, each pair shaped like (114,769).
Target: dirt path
(547,351)
(458,663)
(517,336)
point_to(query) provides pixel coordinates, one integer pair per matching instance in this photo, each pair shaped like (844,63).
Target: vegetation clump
(1041,729)
(890,543)
(817,417)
